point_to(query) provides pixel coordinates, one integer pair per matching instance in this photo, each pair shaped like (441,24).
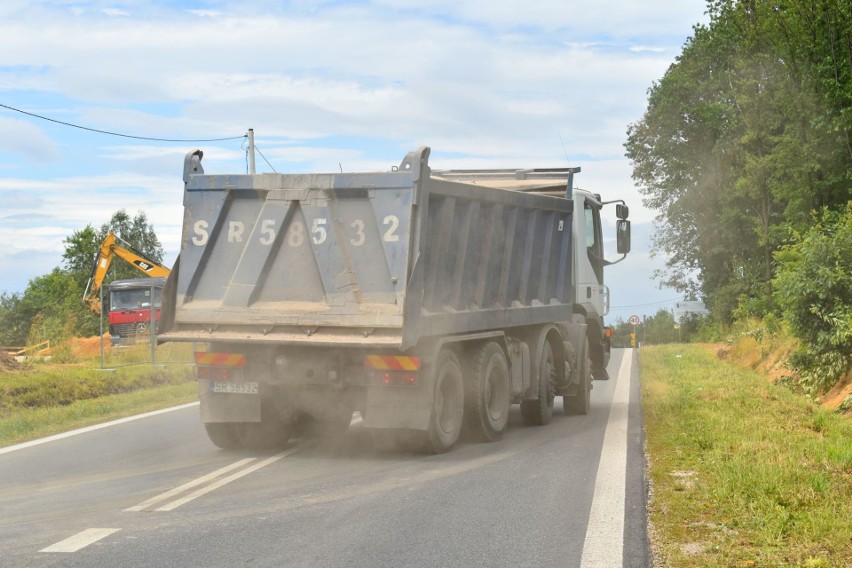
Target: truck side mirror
(622,211)
(622,233)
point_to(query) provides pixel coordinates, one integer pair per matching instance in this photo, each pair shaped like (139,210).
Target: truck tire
(581,402)
(248,435)
(487,393)
(539,412)
(445,419)
(224,435)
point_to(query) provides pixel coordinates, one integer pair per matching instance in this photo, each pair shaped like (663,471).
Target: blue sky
(325,84)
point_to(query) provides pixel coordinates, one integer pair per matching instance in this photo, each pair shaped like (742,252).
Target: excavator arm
(114,246)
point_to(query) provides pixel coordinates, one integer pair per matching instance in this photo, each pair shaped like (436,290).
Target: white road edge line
(80,540)
(604,543)
(216,485)
(187,486)
(40,441)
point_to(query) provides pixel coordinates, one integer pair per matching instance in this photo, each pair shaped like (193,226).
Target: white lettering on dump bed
(390,235)
(267,229)
(297,234)
(235,232)
(359,237)
(201,234)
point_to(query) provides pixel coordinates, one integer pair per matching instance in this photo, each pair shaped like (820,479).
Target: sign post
(634,321)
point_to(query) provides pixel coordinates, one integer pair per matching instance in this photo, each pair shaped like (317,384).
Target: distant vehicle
(131,302)
(134,303)
(427,300)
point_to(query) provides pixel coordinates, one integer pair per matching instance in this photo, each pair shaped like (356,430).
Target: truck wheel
(539,412)
(445,420)
(487,394)
(248,435)
(225,435)
(581,402)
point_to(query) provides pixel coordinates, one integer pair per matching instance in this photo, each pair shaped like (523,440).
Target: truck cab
(592,295)
(134,308)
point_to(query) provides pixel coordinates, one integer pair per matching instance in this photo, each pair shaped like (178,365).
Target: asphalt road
(156,492)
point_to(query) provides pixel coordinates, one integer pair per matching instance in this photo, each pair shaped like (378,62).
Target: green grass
(31,423)
(744,473)
(44,399)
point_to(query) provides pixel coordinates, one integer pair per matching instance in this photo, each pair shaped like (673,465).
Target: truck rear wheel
(539,412)
(487,393)
(445,420)
(225,435)
(248,435)
(581,402)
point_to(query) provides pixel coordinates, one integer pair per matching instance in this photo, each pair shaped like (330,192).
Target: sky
(325,84)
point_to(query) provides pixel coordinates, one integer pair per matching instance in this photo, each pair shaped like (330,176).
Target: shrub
(813,286)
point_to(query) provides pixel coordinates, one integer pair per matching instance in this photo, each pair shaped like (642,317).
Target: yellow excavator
(115,246)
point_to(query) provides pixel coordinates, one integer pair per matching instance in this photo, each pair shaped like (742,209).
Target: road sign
(634,320)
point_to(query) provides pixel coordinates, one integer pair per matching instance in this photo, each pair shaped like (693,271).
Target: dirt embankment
(772,363)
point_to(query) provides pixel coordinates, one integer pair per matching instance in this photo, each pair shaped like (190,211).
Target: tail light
(212,366)
(397,378)
(393,370)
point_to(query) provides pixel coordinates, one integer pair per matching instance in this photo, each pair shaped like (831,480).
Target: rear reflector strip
(220,359)
(391,363)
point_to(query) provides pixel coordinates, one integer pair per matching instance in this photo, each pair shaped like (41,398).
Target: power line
(120,134)
(264,158)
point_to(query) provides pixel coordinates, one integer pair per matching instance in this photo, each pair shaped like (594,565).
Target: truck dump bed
(380,259)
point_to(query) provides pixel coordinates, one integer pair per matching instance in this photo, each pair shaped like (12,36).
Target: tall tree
(82,245)
(742,138)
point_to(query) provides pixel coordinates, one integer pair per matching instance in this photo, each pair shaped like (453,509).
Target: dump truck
(134,309)
(429,301)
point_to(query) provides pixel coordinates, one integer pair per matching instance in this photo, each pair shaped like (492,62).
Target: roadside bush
(813,287)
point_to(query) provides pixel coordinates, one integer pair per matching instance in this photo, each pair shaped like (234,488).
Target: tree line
(745,153)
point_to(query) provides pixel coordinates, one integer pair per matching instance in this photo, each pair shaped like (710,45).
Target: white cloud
(497,83)
(26,139)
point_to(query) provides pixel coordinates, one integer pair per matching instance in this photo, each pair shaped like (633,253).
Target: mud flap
(397,407)
(218,407)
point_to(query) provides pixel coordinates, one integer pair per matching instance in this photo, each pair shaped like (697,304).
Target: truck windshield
(134,298)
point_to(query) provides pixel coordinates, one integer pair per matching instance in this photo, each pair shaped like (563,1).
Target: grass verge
(39,398)
(744,473)
(27,424)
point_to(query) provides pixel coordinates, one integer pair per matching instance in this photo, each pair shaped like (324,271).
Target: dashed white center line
(80,540)
(604,543)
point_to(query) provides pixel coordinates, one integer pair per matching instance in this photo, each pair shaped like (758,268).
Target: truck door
(591,291)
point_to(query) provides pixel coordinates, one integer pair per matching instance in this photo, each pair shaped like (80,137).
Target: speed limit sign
(634,320)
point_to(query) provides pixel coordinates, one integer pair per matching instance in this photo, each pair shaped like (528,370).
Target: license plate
(233,387)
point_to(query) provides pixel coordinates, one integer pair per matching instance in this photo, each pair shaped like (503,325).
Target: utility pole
(251,150)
